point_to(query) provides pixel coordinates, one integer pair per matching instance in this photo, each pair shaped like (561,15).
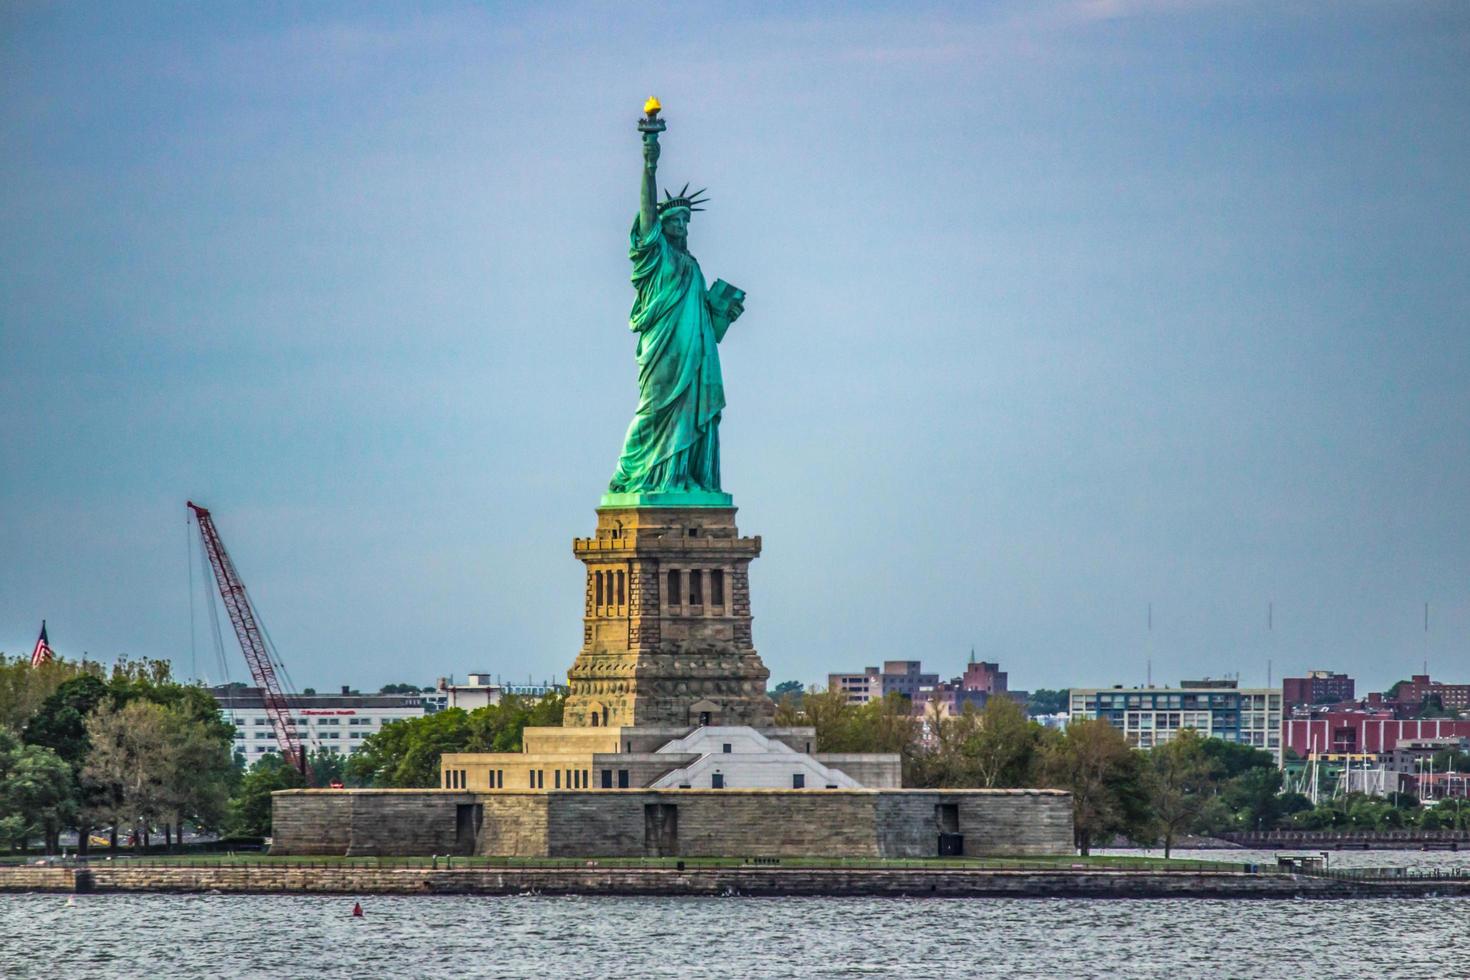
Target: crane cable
(219,640)
(189,553)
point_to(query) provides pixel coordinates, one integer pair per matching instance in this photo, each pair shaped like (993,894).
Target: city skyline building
(1317,687)
(335,722)
(1150,716)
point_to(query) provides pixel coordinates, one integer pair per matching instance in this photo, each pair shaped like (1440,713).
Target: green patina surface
(673,442)
(669,498)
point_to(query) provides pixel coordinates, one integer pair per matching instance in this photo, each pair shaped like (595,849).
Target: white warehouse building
(336,722)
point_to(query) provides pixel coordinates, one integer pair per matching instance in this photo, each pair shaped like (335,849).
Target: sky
(1056,313)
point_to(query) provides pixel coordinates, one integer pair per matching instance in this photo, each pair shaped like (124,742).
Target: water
(162,936)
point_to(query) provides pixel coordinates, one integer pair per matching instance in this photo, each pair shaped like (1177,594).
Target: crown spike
(683,199)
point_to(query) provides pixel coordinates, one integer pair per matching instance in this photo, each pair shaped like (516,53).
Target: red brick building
(1414,692)
(1352,731)
(1318,687)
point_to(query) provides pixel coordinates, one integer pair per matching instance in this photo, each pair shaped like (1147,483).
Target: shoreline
(728,881)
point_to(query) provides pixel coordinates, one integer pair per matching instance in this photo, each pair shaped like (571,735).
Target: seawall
(745,881)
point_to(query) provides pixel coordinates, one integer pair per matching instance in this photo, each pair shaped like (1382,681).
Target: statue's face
(676,228)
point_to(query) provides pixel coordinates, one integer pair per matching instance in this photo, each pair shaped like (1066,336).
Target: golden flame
(651,106)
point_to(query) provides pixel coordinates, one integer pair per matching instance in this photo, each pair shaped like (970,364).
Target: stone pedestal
(666,638)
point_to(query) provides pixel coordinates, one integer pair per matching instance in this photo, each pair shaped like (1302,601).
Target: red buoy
(357,910)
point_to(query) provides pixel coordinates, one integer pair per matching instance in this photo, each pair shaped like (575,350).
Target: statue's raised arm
(650,126)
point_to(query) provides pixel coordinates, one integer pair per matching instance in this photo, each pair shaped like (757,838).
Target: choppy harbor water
(162,936)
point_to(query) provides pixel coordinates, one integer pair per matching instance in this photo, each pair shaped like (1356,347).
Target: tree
(788,712)
(61,725)
(400,689)
(406,753)
(131,763)
(1451,760)
(787,687)
(1092,761)
(1254,798)
(326,766)
(203,774)
(23,688)
(1230,759)
(883,725)
(1046,702)
(1433,707)
(250,808)
(1179,779)
(1003,745)
(944,762)
(37,794)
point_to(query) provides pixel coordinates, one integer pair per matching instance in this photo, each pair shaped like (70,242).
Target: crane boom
(252,641)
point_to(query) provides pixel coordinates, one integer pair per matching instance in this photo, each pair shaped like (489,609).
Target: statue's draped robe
(673,442)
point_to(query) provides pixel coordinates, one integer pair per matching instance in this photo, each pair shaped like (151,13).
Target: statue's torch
(651,125)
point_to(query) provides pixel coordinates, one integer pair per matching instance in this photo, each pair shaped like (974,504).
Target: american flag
(42,654)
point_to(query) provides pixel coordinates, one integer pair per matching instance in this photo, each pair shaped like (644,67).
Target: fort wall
(673,823)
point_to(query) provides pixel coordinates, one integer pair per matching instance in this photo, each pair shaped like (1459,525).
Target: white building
(478,692)
(1150,716)
(337,722)
(739,757)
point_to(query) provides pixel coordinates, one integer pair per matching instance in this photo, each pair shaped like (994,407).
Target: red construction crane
(252,640)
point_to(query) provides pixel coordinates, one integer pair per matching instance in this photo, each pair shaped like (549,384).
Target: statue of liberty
(673,444)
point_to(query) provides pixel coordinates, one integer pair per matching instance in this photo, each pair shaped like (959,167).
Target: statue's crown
(683,200)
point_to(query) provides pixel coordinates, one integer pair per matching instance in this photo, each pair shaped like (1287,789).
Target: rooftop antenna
(1149,647)
(1426,638)
(1270,628)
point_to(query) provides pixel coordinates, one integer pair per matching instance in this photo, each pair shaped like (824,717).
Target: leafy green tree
(1254,799)
(1450,760)
(787,687)
(130,763)
(943,761)
(1447,815)
(1179,782)
(499,727)
(23,688)
(788,712)
(1230,759)
(1092,761)
(886,724)
(1046,702)
(37,794)
(250,807)
(60,725)
(399,689)
(1003,745)
(994,747)
(203,774)
(326,766)
(406,753)
(1433,707)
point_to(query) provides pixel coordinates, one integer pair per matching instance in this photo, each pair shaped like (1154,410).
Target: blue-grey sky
(1055,310)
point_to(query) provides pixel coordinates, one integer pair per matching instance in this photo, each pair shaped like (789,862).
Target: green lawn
(1114,862)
